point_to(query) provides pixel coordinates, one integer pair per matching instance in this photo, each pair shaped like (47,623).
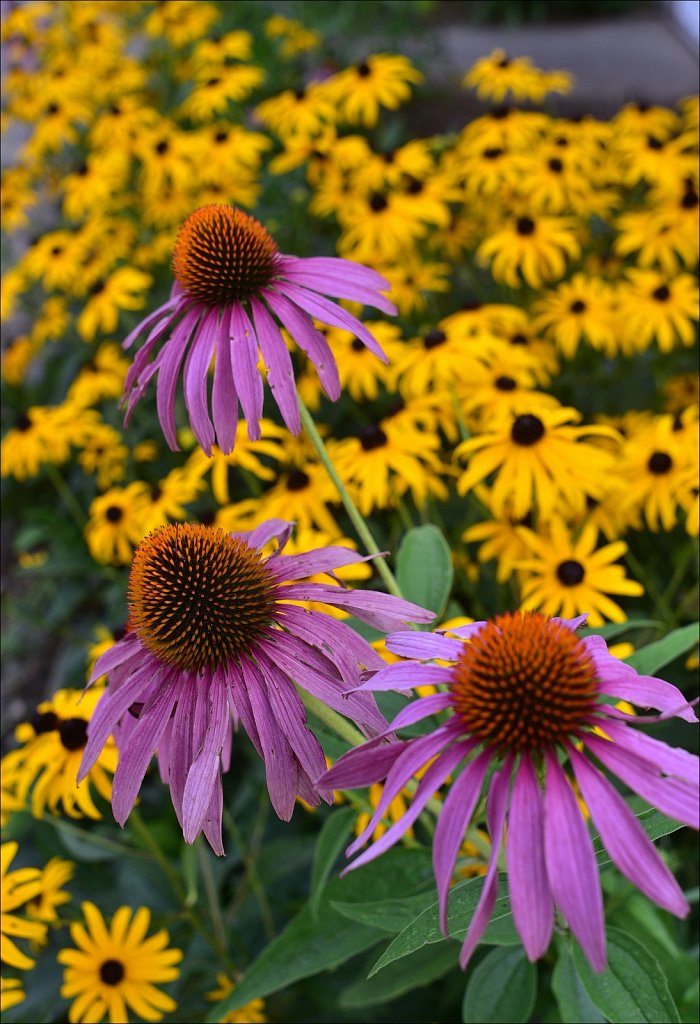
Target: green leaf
(648,660)
(615,629)
(575,1005)
(424,568)
(422,967)
(329,845)
(654,823)
(389,915)
(501,989)
(312,943)
(633,989)
(425,928)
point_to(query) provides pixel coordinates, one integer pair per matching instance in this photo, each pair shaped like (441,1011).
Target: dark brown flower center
(659,463)
(112,972)
(434,338)
(524,226)
(223,255)
(198,597)
(114,514)
(662,293)
(73,733)
(527,430)
(570,572)
(524,682)
(577,307)
(372,437)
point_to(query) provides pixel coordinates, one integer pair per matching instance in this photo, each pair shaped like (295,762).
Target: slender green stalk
(252,874)
(210,890)
(339,725)
(66,495)
(659,599)
(92,839)
(357,519)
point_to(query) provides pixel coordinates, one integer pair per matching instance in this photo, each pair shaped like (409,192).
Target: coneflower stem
(356,518)
(210,890)
(66,496)
(339,725)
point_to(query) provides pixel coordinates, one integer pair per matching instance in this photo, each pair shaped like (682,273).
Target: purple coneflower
(212,633)
(526,695)
(231,282)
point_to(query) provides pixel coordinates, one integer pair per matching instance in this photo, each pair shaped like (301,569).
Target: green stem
(210,889)
(358,521)
(677,578)
(339,725)
(659,599)
(94,840)
(66,495)
(253,876)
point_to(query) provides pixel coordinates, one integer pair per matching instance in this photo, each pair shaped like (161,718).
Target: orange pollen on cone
(223,255)
(524,681)
(198,597)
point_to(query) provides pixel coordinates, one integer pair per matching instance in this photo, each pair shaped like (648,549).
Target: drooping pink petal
(318,560)
(280,766)
(295,281)
(642,691)
(464,631)
(195,380)
(117,655)
(670,760)
(224,399)
(182,746)
(530,895)
(427,787)
(240,705)
(212,819)
(272,529)
(172,356)
(172,305)
(332,634)
(280,372)
(384,611)
(364,765)
(144,740)
(301,328)
(324,638)
(417,754)
(327,312)
(110,708)
(142,356)
(675,797)
(403,676)
(571,865)
(496,808)
(335,267)
(424,646)
(625,840)
(206,767)
(453,821)
(246,376)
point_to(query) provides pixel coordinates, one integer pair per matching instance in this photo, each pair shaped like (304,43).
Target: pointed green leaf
(390,915)
(633,989)
(575,1005)
(648,660)
(420,968)
(329,845)
(501,989)
(424,568)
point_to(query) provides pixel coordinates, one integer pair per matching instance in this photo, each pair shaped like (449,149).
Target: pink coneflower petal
(271,529)
(114,657)
(364,765)
(195,380)
(183,743)
(309,563)
(530,895)
(671,760)
(625,840)
(496,808)
(244,360)
(240,703)
(333,267)
(211,826)
(424,646)
(206,767)
(142,356)
(402,677)
(301,327)
(152,318)
(144,740)
(672,796)
(323,636)
(647,692)
(456,814)
(280,372)
(427,787)
(384,611)
(173,355)
(109,710)
(320,308)
(224,397)
(464,632)
(415,757)
(571,865)
(280,768)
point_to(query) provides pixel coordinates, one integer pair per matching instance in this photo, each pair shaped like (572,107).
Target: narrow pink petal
(329,313)
(312,342)
(182,744)
(465,631)
(211,825)
(110,708)
(427,787)
(670,760)
(364,765)
(272,529)
(530,895)
(340,269)
(280,766)
(453,821)
(325,639)
(376,609)
(571,865)
(280,372)
(144,740)
(173,354)
(142,356)
(424,646)
(309,563)
(642,691)
(625,840)
(206,767)
(331,632)
(124,649)
(675,797)
(246,376)
(195,380)
(304,290)
(496,808)
(224,400)
(402,676)
(240,705)
(415,757)
(171,306)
